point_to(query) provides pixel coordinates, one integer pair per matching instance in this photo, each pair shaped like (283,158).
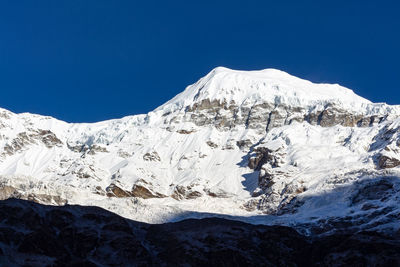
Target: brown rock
(182,192)
(183,131)
(143,192)
(7,191)
(212,144)
(387,162)
(153,156)
(115,191)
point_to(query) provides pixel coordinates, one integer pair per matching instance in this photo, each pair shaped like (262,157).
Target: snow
(270,85)
(323,159)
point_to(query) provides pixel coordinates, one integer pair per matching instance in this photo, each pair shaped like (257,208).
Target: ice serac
(258,146)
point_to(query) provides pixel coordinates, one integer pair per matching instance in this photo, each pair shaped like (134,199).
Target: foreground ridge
(37,235)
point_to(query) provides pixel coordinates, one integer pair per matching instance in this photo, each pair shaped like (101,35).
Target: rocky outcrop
(260,156)
(151,156)
(211,144)
(116,191)
(217,193)
(276,189)
(185,192)
(183,131)
(25,139)
(47,137)
(83,168)
(137,190)
(97,149)
(244,144)
(89,149)
(143,192)
(7,191)
(266,116)
(386,162)
(45,199)
(123,154)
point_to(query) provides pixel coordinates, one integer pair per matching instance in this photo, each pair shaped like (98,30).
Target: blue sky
(85,61)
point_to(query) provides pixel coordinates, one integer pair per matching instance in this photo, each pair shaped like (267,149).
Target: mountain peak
(268,85)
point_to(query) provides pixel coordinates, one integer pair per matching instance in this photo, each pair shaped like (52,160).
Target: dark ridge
(32,234)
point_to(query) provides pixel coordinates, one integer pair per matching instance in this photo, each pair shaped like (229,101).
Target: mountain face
(262,147)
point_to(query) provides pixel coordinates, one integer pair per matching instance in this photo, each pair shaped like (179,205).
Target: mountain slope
(263,146)
(37,235)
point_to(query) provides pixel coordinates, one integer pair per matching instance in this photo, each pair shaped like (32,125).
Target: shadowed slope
(36,235)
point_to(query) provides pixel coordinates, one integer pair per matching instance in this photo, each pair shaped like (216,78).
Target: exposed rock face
(46,199)
(244,144)
(272,193)
(183,131)
(152,156)
(96,148)
(7,192)
(24,139)
(185,192)
(116,191)
(137,191)
(36,235)
(48,138)
(91,150)
(262,156)
(143,192)
(387,162)
(212,144)
(266,116)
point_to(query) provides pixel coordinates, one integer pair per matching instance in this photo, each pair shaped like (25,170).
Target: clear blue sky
(84,61)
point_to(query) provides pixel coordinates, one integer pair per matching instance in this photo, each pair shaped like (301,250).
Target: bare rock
(185,192)
(46,199)
(143,192)
(334,116)
(152,156)
(7,191)
(183,131)
(96,148)
(48,138)
(124,154)
(98,190)
(260,157)
(212,144)
(388,162)
(217,193)
(116,191)
(265,116)
(25,139)
(244,144)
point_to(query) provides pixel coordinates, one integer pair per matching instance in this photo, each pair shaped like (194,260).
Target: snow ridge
(268,85)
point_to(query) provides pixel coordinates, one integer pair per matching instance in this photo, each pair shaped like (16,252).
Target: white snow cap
(268,85)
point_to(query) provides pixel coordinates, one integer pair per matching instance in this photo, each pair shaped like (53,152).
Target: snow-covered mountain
(259,146)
